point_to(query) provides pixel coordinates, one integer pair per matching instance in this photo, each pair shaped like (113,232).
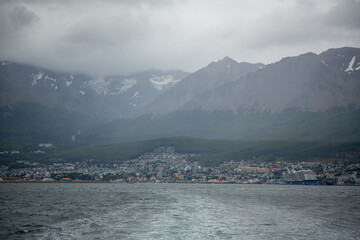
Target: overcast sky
(122,37)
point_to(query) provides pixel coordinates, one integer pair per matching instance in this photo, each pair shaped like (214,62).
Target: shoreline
(14,181)
(72,182)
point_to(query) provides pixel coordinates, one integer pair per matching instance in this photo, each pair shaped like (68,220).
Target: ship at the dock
(304,177)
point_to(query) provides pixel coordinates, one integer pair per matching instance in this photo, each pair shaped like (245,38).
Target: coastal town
(165,165)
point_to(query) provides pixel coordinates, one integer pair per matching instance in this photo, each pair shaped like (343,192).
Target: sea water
(178,211)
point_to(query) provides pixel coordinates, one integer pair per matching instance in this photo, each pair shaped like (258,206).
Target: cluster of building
(164,165)
(12,151)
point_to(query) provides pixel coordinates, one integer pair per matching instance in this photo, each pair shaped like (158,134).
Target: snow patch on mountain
(137,94)
(39,76)
(36,78)
(54,86)
(50,78)
(99,85)
(132,104)
(127,84)
(351,63)
(357,66)
(159,82)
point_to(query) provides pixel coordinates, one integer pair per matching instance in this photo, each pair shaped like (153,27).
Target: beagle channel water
(178,211)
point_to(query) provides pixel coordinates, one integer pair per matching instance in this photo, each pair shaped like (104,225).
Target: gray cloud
(121,28)
(345,14)
(121,37)
(21,17)
(16,22)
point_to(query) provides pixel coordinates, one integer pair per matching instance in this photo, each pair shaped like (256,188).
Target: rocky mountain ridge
(308,82)
(208,78)
(110,98)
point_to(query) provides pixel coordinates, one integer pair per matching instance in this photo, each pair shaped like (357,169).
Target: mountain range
(306,97)
(307,82)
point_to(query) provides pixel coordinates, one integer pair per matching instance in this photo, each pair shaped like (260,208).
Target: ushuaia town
(164,165)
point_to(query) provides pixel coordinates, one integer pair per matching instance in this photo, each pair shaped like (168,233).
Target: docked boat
(304,177)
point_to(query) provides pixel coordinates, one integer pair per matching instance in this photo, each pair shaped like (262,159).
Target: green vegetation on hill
(211,152)
(336,125)
(28,122)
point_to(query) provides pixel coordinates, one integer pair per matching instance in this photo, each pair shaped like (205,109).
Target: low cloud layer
(121,37)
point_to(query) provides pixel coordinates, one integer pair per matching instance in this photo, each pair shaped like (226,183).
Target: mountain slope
(31,122)
(125,96)
(26,83)
(205,79)
(308,82)
(335,125)
(109,98)
(37,103)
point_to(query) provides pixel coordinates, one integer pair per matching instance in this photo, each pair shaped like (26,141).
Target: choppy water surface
(178,211)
